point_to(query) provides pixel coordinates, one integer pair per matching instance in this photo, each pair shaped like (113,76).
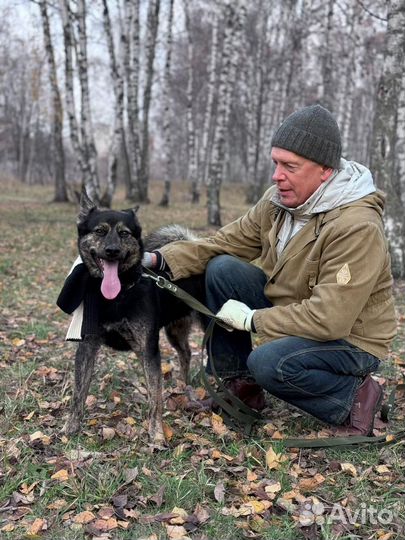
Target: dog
(125,309)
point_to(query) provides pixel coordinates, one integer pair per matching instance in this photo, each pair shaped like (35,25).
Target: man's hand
(236,314)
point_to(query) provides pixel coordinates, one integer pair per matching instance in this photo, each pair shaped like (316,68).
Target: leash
(240,416)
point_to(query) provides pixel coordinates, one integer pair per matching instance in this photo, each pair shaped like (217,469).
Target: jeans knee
(262,369)
(218,267)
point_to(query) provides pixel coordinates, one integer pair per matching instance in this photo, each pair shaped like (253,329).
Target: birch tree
(167,139)
(152,28)
(234,15)
(384,156)
(80,134)
(118,122)
(191,138)
(58,154)
(86,125)
(206,138)
(131,65)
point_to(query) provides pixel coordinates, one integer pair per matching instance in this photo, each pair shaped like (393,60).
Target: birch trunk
(234,15)
(327,61)
(167,140)
(384,159)
(57,120)
(117,135)
(131,65)
(152,24)
(206,139)
(90,163)
(68,39)
(191,139)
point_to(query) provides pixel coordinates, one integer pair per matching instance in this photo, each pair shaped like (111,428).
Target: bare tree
(234,15)
(118,129)
(206,138)
(80,134)
(152,28)
(58,154)
(384,156)
(86,125)
(191,138)
(130,38)
(167,139)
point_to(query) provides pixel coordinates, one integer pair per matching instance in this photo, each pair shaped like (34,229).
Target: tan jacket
(332,281)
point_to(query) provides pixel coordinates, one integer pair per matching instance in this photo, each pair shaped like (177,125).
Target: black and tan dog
(121,307)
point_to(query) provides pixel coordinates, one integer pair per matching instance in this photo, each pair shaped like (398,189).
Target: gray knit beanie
(313,133)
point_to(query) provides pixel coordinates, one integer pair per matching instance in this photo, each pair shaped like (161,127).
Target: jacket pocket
(308,278)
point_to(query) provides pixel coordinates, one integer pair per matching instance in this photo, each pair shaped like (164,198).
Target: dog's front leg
(84,365)
(153,376)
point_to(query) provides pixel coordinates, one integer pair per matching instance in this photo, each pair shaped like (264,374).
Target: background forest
(102,92)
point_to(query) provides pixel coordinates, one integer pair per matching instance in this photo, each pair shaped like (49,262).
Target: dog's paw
(157,438)
(72,426)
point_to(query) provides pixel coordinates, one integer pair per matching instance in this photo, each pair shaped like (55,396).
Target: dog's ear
(86,206)
(133,210)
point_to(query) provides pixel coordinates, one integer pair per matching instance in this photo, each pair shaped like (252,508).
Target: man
(319,295)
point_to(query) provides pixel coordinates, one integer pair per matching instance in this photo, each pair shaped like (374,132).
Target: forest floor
(211,482)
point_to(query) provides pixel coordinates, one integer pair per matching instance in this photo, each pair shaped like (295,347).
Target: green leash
(236,413)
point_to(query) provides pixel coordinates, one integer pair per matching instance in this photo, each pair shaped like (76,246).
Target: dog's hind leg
(177,333)
(84,365)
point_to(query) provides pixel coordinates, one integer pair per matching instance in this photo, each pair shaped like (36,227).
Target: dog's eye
(100,231)
(124,234)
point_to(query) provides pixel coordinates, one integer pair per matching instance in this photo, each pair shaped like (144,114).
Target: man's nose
(278,174)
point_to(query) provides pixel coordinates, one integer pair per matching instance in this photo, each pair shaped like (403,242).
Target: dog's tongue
(111,285)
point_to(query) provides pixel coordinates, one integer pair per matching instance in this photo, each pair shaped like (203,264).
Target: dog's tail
(166,234)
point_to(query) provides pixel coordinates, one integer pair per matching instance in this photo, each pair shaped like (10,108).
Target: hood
(352,181)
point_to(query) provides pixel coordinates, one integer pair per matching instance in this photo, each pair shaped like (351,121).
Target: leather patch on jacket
(343,276)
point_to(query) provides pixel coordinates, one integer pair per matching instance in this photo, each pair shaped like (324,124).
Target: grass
(209,476)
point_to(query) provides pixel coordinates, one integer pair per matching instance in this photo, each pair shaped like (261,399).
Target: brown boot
(245,389)
(367,402)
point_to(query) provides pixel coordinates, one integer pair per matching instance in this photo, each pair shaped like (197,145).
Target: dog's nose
(112,251)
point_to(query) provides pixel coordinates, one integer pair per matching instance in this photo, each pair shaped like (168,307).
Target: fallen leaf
(273,488)
(106,524)
(308,484)
(38,435)
(36,527)
(382,469)
(176,532)
(350,468)
(167,430)
(8,528)
(181,517)
(107,433)
(218,426)
(274,460)
(61,475)
(84,517)
(219,492)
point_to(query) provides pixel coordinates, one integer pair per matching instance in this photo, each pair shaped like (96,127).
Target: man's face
(297,178)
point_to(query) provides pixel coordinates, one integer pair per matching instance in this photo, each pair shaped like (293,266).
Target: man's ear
(326,173)
(86,206)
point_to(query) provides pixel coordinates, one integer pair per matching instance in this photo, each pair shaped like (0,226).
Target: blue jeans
(320,378)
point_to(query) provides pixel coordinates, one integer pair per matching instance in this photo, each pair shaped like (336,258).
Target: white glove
(149,260)
(236,314)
